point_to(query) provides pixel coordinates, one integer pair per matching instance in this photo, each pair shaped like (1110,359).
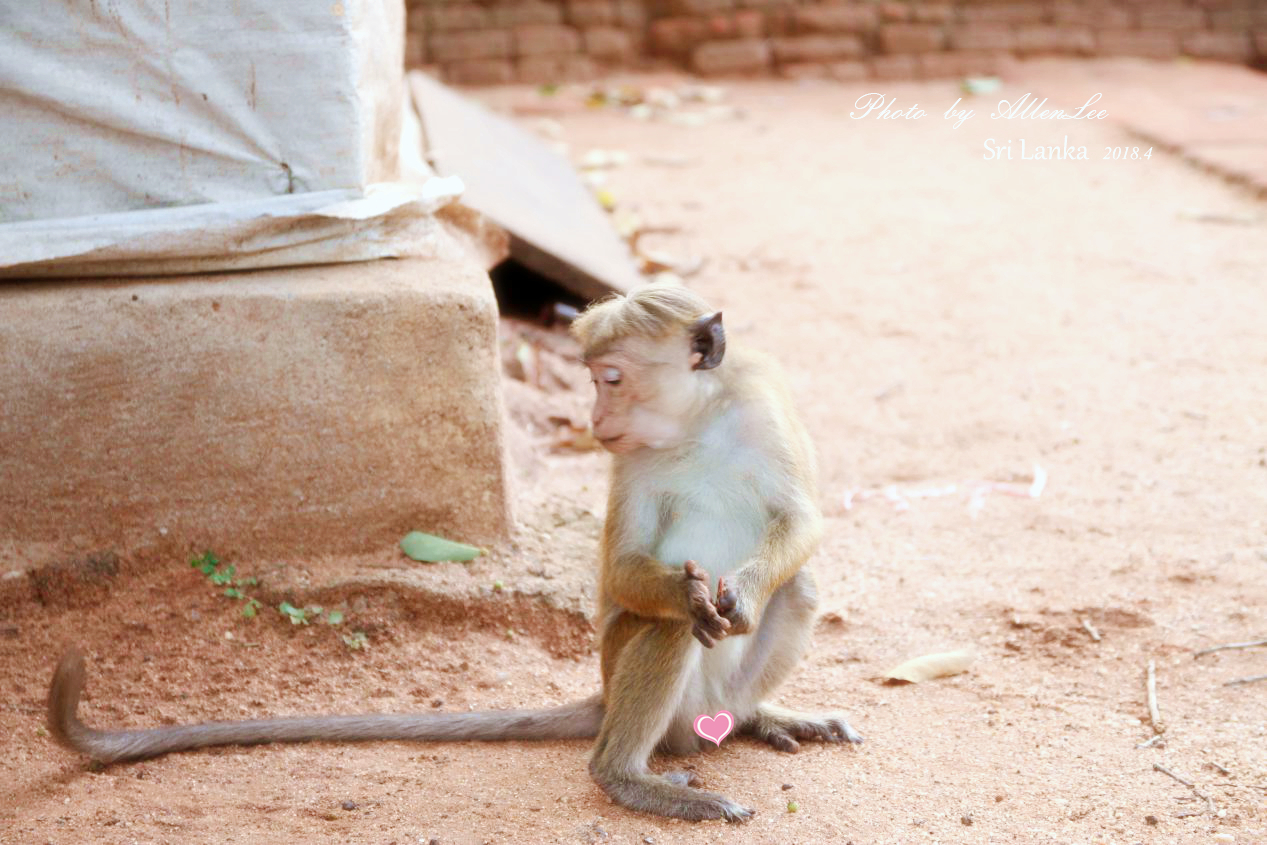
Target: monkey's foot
(669,796)
(681,777)
(782,728)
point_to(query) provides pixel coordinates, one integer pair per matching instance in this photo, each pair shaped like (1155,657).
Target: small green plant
(356,640)
(296,615)
(303,615)
(226,575)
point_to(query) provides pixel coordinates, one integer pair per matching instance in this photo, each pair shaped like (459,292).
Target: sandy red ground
(942,320)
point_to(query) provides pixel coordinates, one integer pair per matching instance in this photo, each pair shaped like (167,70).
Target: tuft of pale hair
(652,310)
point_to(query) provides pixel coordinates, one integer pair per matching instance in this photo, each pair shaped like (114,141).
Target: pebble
(1223,837)
(349,805)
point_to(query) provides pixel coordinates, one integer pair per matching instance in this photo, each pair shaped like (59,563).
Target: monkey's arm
(790,538)
(646,587)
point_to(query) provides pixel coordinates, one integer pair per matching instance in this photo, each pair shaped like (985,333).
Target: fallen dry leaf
(930,666)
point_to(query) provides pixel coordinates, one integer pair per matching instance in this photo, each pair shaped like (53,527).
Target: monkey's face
(646,394)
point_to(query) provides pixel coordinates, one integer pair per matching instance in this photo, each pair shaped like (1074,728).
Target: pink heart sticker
(715,728)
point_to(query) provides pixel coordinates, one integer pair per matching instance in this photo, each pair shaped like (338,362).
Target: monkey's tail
(578,720)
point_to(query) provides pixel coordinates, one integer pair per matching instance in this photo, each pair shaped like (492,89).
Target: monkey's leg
(781,641)
(642,695)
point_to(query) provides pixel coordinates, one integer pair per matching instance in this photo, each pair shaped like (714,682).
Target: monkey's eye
(611,376)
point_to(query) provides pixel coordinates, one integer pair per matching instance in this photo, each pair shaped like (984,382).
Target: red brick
(780,21)
(932,13)
(540,70)
(1152,43)
(543,39)
(719,26)
(415,49)
(592,13)
(1054,39)
(606,42)
(851,18)
(676,36)
(1160,16)
(479,72)
(1226,46)
(748,24)
(816,48)
(848,71)
(982,36)
(805,70)
(669,8)
(631,13)
(894,67)
(746,55)
(457,16)
(1003,13)
(526,13)
(1237,20)
(743,24)
(911,38)
(416,20)
(895,12)
(470,44)
(1067,13)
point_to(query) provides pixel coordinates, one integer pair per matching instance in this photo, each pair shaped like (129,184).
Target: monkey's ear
(708,340)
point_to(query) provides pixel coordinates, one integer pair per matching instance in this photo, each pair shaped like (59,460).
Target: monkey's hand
(707,624)
(734,607)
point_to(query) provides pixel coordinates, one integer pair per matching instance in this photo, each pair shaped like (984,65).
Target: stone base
(279,413)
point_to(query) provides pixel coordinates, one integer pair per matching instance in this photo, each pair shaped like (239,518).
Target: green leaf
(429,548)
(207,562)
(248,581)
(234,593)
(248,609)
(296,615)
(335,617)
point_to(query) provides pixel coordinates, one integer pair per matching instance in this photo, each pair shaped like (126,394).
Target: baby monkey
(712,475)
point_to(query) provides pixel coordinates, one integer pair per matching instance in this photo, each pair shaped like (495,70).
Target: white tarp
(174,136)
(108,105)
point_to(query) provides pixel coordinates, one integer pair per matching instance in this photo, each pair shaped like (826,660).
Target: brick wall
(540,41)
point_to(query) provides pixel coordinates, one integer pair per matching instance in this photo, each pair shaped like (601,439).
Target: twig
(1220,768)
(1252,679)
(1209,803)
(1226,646)
(1154,713)
(1149,743)
(1158,767)
(1090,629)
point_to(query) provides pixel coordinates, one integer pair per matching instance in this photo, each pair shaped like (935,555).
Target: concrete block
(279,413)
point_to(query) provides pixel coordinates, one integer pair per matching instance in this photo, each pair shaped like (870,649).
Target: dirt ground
(943,320)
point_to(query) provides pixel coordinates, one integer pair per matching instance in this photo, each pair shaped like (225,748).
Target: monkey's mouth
(611,444)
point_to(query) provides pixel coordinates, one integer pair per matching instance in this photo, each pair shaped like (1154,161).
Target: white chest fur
(705,501)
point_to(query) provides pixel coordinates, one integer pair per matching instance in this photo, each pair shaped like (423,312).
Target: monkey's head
(649,354)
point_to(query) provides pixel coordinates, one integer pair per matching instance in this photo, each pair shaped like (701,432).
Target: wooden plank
(557,228)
